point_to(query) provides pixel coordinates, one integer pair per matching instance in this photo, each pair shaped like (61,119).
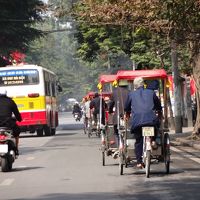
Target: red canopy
(104,94)
(90,94)
(132,74)
(107,78)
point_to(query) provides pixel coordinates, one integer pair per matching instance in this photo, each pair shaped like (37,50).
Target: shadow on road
(185,188)
(25,168)
(70,127)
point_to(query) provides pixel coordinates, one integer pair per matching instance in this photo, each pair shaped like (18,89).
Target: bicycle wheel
(147,163)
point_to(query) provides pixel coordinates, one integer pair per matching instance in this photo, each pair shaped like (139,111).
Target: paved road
(68,166)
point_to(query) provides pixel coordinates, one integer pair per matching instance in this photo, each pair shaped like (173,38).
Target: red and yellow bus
(34,89)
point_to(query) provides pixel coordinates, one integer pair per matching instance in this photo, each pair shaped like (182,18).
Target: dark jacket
(142,103)
(153,85)
(95,104)
(76,109)
(8,107)
(119,94)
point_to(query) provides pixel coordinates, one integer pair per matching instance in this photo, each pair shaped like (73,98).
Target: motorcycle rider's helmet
(3,92)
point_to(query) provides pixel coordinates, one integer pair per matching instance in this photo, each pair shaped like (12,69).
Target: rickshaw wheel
(167,152)
(84,129)
(121,169)
(121,162)
(127,161)
(89,132)
(103,158)
(147,163)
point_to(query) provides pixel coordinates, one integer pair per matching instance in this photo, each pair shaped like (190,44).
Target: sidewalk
(182,138)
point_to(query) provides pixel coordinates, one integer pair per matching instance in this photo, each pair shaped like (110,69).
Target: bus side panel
(33,110)
(54,116)
(51,112)
(33,118)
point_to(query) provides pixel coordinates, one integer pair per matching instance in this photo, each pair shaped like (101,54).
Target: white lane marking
(30,158)
(196,159)
(22,166)
(175,149)
(191,158)
(7,182)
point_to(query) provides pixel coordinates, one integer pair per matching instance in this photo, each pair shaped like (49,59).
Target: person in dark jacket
(77,109)
(95,107)
(153,85)
(120,95)
(9,108)
(142,104)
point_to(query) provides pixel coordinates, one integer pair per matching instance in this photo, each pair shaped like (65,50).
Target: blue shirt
(142,103)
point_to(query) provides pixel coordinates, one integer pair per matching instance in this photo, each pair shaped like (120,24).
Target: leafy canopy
(17,18)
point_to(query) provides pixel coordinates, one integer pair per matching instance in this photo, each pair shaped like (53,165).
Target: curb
(184,142)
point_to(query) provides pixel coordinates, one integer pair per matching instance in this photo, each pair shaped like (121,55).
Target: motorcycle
(7,149)
(77,116)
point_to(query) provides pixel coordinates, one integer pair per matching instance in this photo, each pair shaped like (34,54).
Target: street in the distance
(69,166)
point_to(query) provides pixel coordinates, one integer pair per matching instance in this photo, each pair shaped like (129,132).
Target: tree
(57,52)
(177,20)
(17,18)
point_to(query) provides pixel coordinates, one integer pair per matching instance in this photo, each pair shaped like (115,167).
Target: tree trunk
(196,74)
(177,89)
(171,115)
(188,102)
(195,64)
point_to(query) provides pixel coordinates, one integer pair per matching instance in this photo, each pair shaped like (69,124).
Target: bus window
(53,89)
(19,77)
(47,84)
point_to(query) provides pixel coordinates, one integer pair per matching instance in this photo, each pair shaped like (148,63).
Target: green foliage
(166,19)
(57,52)
(16,20)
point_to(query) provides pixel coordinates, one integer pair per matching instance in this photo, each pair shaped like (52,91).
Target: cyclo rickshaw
(94,126)
(108,139)
(91,126)
(126,147)
(87,121)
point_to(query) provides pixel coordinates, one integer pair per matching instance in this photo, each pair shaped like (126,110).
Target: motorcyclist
(142,103)
(9,108)
(77,109)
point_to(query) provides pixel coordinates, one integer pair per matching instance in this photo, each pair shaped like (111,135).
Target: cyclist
(142,104)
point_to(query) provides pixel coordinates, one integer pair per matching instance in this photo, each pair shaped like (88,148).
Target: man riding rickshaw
(162,153)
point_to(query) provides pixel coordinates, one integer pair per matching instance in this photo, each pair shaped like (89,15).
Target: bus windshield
(19,77)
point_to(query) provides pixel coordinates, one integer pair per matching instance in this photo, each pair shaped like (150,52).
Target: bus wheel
(53,131)
(47,130)
(40,132)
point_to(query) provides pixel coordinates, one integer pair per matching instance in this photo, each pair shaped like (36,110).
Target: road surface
(68,166)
